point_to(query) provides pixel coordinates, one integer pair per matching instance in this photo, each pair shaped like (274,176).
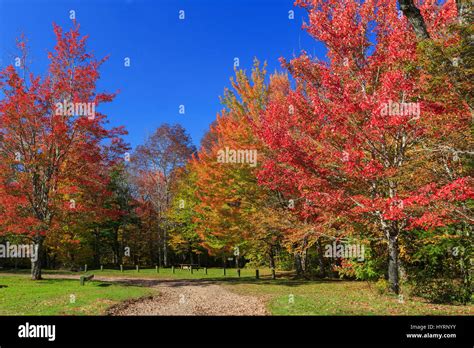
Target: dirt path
(183,297)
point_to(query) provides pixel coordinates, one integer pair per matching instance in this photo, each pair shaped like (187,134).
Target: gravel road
(191,297)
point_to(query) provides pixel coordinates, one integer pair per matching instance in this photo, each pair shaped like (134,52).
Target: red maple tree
(354,137)
(51,144)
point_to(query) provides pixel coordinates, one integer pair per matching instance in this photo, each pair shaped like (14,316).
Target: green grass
(22,296)
(338,297)
(283,296)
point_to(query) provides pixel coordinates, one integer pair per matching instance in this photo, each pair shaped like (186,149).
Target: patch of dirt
(192,298)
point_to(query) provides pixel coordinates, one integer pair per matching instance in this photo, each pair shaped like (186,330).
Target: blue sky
(173,62)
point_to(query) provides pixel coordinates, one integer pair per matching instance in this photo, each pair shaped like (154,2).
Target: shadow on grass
(269,281)
(219,281)
(104,285)
(286,279)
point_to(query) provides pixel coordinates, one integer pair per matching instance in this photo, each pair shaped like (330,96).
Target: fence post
(273,273)
(172,269)
(224,272)
(157,269)
(257,274)
(102,268)
(85,268)
(191,269)
(205,269)
(238,272)
(138,268)
(121,268)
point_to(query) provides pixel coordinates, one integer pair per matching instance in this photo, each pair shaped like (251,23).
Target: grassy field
(21,296)
(283,296)
(338,297)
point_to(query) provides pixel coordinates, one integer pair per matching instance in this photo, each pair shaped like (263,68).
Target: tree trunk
(299,269)
(117,253)
(72,260)
(272,257)
(322,270)
(159,256)
(165,249)
(97,255)
(36,264)
(304,260)
(393,277)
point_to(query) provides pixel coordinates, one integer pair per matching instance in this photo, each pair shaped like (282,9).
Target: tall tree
(49,145)
(348,137)
(155,166)
(235,213)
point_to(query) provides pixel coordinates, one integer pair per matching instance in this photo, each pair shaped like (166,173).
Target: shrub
(439,263)
(382,286)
